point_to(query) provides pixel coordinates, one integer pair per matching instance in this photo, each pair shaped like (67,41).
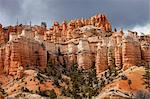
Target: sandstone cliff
(85,43)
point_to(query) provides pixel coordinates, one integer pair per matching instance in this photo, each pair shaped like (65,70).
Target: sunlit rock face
(2,35)
(84,55)
(72,57)
(27,32)
(118,57)
(131,52)
(22,50)
(86,42)
(116,48)
(13,36)
(145,49)
(101,58)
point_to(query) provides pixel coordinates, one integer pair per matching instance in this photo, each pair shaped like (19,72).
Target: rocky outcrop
(119,48)
(72,57)
(118,56)
(81,42)
(67,31)
(73,42)
(22,51)
(32,82)
(120,87)
(2,35)
(145,49)
(24,95)
(101,58)
(84,55)
(2,51)
(117,38)
(131,53)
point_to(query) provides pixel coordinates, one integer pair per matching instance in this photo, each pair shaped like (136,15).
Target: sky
(127,14)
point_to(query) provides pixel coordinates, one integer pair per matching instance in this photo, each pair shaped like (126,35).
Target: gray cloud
(122,13)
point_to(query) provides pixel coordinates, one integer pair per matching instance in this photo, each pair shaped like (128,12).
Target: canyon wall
(86,42)
(22,51)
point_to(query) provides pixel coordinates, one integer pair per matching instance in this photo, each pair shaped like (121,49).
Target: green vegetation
(24,89)
(146,76)
(40,78)
(129,83)
(48,93)
(83,83)
(43,46)
(124,77)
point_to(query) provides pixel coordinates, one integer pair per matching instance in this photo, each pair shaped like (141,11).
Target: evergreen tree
(129,83)
(49,93)
(146,76)
(84,83)
(112,66)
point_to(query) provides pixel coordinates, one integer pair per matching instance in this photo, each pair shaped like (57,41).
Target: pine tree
(129,83)
(49,94)
(84,83)
(146,76)
(112,66)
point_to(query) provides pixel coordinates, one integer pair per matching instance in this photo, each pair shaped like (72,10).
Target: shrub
(49,93)
(124,77)
(24,89)
(146,76)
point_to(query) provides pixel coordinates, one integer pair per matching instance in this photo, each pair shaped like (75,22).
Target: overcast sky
(131,14)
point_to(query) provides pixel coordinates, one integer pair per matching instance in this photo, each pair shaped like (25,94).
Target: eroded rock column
(84,54)
(118,56)
(131,53)
(101,58)
(72,57)
(145,48)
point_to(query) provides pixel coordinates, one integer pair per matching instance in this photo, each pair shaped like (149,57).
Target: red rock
(145,48)
(131,53)
(23,52)
(118,56)
(101,59)
(84,54)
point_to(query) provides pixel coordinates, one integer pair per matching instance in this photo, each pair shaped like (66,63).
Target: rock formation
(78,42)
(145,49)
(101,58)
(21,50)
(72,57)
(84,55)
(81,42)
(131,52)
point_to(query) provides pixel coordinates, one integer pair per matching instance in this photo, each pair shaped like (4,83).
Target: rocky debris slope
(31,82)
(23,95)
(125,84)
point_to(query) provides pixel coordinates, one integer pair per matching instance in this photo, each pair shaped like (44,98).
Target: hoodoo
(44,61)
